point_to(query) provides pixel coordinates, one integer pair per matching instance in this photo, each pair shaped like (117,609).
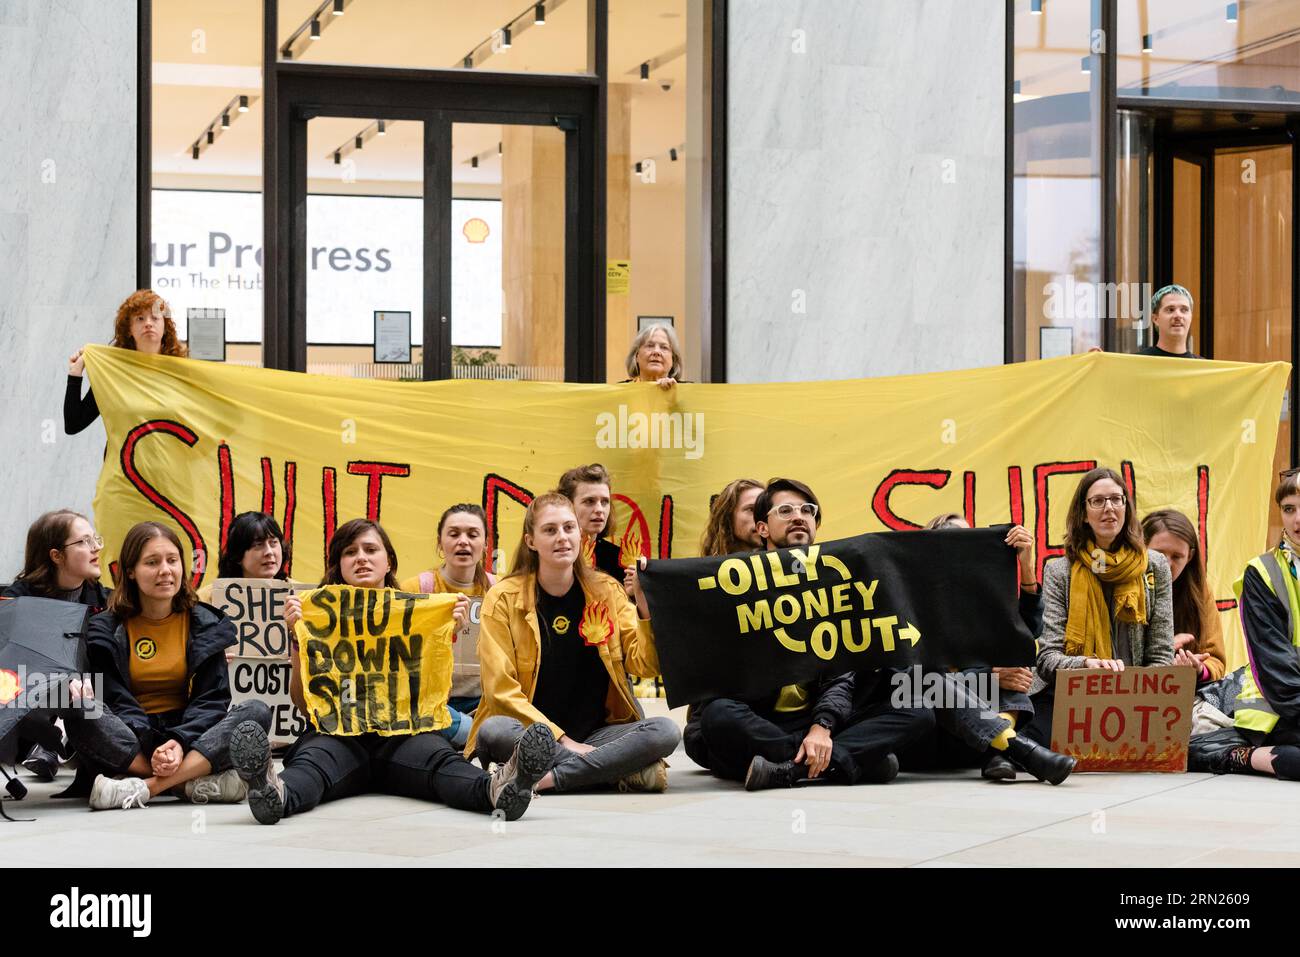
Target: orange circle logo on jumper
(145,649)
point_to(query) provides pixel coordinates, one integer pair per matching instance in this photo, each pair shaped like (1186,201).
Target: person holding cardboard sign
(423,765)
(462,540)
(1265,738)
(557,644)
(1198,638)
(1108,601)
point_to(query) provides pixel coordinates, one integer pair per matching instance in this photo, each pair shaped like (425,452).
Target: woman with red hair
(143,323)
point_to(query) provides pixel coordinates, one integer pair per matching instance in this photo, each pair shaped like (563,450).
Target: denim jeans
(620,750)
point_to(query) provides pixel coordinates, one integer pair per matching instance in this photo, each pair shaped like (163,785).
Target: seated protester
(462,540)
(588,488)
(800,732)
(1265,738)
(255,548)
(143,323)
(1198,637)
(1171,316)
(61,561)
(1107,602)
(322,767)
(161,653)
(556,645)
(730,529)
(973,732)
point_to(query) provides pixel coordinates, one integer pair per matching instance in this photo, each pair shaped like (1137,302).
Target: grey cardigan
(1149,644)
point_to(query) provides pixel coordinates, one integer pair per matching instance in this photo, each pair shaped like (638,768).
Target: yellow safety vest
(1253,712)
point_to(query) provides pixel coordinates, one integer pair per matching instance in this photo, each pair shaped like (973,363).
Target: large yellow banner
(193,443)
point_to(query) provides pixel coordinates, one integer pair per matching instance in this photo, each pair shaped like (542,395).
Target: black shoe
(1230,760)
(998,768)
(250,755)
(882,772)
(511,784)
(763,774)
(42,762)
(1042,763)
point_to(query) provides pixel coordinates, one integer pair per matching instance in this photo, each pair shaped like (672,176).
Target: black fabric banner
(745,625)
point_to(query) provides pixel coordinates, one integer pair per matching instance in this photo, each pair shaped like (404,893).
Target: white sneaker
(108,793)
(223,788)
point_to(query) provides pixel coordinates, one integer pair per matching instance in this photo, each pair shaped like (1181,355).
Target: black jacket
(93,595)
(1272,651)
(211,633)
(78,411)
(1031,610)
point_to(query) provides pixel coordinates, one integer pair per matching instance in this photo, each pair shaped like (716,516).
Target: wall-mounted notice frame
(206,331)
(392,336)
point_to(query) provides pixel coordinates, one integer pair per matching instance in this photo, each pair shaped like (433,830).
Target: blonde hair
(634,367)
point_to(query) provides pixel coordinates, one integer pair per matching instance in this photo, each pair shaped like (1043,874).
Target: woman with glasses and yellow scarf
(1108,601)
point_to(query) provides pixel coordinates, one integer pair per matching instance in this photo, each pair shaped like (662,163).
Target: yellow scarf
(1087,630)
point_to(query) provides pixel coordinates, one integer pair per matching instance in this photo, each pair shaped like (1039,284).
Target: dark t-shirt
(607,559)
(572,682)
(1157,351)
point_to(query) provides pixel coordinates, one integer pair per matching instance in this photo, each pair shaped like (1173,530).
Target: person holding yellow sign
(326,767)
(556,646)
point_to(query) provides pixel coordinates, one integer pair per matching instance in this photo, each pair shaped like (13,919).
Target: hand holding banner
(375,660)
(744,625)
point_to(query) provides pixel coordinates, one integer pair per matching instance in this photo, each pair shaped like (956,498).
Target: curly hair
(137,304)
(719,536)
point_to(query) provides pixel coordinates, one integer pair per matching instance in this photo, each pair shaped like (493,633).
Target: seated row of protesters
(1109,602)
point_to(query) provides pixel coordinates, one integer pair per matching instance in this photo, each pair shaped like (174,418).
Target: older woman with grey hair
(655,357)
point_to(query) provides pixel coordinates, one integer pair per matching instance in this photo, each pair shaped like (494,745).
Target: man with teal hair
(1171,314)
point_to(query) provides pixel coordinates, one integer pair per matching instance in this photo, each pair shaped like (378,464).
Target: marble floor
(920,820)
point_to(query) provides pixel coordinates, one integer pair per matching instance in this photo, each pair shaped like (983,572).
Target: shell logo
(631,550)
(475,230)
(588,551)
(596,626)
(10,686)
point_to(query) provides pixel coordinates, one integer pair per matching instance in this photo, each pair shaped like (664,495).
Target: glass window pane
(1209,49)
(495,35)
(1057,186)
(365,246)
(206,222)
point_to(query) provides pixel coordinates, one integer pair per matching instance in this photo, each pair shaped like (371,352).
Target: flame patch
(631,550)
(10,686)
(589,551)
(596,626)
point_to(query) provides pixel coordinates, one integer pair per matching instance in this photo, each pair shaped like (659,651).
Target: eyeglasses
(788,509)
(93,542)
(1098,502)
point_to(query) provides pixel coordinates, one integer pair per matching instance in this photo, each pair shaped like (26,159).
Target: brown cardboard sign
(1138,719)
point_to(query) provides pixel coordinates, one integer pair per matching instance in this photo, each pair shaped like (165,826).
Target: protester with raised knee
(1265,737)
(1198,637)
(462,543)
(1107,602)
(161,654)
(322,767)
(556,645)
(61,561)
(808,732)
(973,731)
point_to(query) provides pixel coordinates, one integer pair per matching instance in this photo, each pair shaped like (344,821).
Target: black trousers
(734,734)
(325,767)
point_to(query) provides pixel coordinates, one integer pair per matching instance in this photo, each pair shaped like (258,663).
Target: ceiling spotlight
(315,30)
(645,72)
(505,38)
(1232,13)
(381,131)
(469,62)
(225,121)
(243,103)
(211,136)
(359,142)
(1085,65)
(1036,7)
(672,154)
(539,15)
(338,157)
(473,162)
(195,151)
(338,8)
(1146,43)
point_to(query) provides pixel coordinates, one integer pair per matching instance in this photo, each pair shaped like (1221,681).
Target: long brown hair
(525,559)
(345,535)
(48,533)
(137,304)
(719,536)
(1077,530)
(125,602)
(466,508)
(1191,595)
